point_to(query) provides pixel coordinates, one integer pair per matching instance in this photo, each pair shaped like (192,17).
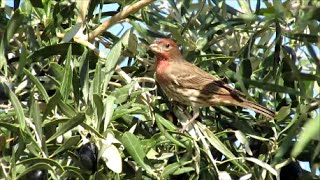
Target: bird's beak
(155,48)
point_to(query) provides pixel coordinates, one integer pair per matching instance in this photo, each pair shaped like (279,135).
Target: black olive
(291,171)
(88,157)
(38,174)
(4,90)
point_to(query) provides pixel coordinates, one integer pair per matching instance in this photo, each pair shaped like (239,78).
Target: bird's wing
(201,80)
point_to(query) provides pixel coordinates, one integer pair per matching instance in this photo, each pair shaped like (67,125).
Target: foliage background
(67,80)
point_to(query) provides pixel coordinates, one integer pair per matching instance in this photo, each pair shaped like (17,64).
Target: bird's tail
(257,108)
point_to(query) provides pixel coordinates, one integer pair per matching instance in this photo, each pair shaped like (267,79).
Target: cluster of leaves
(68,111)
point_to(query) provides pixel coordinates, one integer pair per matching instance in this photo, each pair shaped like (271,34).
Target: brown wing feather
(210,86)
(201,80)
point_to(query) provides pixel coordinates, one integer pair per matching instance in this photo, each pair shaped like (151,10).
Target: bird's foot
(185,127)
(190,122)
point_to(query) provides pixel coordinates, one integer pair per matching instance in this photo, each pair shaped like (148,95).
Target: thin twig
(127,10)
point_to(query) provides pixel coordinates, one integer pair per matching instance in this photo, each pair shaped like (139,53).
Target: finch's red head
(165,49)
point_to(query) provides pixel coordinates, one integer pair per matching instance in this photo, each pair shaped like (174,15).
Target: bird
(189,85)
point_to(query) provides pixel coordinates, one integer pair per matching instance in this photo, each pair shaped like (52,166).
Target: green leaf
(42,166)
(159,120)
(71,33)
(122,93)
(3,59)
(66,109)
(201,42)
(18,108)
(41,160)
(244,5)
(72,141)
(38,84)
(76,88)
(98,106)
(58,71)
(169,125)
(84,75)
(272,87)
(112,60)
(52,103)
(96,85)
(92,130)
(183,170)
(11,127)
(70,124)
(122,111)
(217,144)
(309,131)
(57,49)
(13,25)
(245,69)
(112,157)
(286,142)
(109,111)
(36,117)
(66,84)
(71,172)
(36,3)
(283,113)
(303,37)
(244,141)
(171,168)
(134,148)
(263,164)
(22,60)
(129,41)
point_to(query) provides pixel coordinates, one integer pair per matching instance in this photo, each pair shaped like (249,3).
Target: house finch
(187,84)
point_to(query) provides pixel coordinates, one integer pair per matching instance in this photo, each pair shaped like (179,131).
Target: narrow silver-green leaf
(112,60)
(84,75)
(66,109)
(183,170)
(169,125)
(98,106)
(91,130)
(42,166)
(96,85)
(159,121)
(41,160)
(71,172)
(109,111)
(22,60)
(13,24)
(309,131)
(71,123)
(134,148)
(52,103)
(3,59)
(66,84)
(18,108)
(10,126)
(36,117)
(262,164)
(119,112)
(71,33)
(72,141)
(38,84)
(216,143)
(283,113)
(171,168)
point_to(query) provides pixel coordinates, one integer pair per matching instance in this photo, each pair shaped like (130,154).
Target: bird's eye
(167,45)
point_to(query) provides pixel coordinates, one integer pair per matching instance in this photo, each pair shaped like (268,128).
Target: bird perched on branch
(189,85)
